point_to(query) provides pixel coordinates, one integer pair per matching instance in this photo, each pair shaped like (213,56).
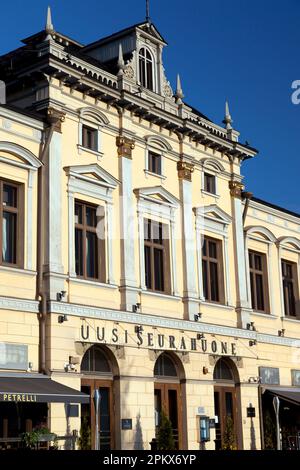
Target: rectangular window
(209,183)
(89,138)
(259,282)
(89,247)
(11,219)
(290,288)
(212,268)
(157,258)
(154,162)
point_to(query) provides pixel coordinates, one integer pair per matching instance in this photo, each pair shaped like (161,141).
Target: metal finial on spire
(147,11)
(121,63)
(227,119)
(179,93)
(49,25)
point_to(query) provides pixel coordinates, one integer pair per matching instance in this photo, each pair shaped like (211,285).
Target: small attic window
(146,69)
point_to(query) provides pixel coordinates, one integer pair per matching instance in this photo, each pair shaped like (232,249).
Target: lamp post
(97,398)
(276,404)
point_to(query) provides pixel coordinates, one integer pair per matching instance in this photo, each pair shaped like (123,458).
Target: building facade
(133,261)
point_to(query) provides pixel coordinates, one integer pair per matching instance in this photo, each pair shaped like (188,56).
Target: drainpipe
(52,119)
(246,195)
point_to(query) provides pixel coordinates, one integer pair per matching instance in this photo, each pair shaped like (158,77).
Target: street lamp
(97,399)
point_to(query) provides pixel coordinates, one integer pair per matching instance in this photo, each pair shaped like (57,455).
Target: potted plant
(165,438)
(229,437)
(38,434)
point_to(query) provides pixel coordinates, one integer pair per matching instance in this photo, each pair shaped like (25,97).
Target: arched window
(95,361)
(146,69)
(165,367)
(222,371)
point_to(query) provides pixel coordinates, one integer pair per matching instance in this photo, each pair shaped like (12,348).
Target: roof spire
(227,119)
(121,63)
(148,12)
(179,93)
(49,25)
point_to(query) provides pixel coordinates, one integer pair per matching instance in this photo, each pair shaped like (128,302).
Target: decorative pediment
(149,28)
(212,218)
(260,232)
(212,164)
(93,174)
(214,212)
(17,155)
(158,195)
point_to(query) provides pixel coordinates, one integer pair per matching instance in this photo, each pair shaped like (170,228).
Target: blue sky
(248,51)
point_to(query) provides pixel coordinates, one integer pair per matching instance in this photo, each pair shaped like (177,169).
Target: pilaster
(128,282)
(242,306)
(190,294)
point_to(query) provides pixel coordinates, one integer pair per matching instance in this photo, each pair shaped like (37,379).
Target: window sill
(150,173)
(98,154)
(271,316)
(206,193)
(216,305)
(291,319)
(13,270)
(92,283)
(160,295)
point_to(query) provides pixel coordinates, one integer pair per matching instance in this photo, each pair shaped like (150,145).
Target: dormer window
(146,69)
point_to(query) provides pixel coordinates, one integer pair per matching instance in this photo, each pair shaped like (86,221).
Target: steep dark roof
(274,206)
(123,32)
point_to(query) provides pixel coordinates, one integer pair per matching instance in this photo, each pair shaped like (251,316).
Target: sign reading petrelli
(182,341)
(18,397)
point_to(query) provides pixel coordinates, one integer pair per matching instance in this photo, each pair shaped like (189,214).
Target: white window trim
(218,226)
(100,190)
(281,244)
(269,240)
(95,120)
(32,165)
(212,173)
(160,146)
(148,207)
(154,67)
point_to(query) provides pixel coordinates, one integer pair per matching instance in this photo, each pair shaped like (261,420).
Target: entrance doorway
(168,396)
(226,399)
(98,375)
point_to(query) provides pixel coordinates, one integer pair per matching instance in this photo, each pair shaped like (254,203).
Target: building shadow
(138,438)
(252,436)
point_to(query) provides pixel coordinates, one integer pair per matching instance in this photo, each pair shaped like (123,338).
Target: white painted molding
(19,305)
(259,229)
(215,220)
(28,157)
(170,323)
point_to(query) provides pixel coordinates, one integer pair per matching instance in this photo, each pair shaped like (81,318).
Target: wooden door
(106,411)
(167,397)
(225,407)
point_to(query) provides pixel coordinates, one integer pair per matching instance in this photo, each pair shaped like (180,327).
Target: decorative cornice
(125,146)
(162,322)
(20,305)
(236,189)
(185,170)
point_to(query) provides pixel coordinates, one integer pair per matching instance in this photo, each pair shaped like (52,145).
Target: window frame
(265,282)
(143,62)
(95,138)
(19,211)
(210,175)
(158,156)
(101,255)
(206,260)
(295,285)
(164,247)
